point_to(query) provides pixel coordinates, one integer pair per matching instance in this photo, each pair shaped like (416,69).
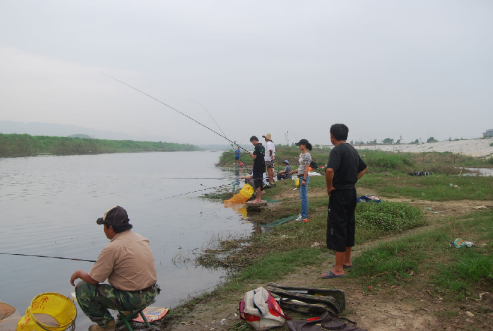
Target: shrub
(388,216)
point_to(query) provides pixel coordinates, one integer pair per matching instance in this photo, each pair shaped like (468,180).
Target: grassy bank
(12,145)
(397,266)
(378,161)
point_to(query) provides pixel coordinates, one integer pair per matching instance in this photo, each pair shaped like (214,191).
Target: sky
(385,68)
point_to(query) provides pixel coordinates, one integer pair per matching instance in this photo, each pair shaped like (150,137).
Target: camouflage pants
(94,300)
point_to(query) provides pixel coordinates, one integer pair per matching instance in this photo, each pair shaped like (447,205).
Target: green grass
(273,267)
(26,145)
(378,161)
(389,216)
(433,188)
(469,267)
(452,271)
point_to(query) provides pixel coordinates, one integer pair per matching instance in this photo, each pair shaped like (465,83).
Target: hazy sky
(385,68)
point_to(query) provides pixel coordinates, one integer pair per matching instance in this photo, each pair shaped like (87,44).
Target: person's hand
(303,182)
(251,154)
(74,276)
(329,190)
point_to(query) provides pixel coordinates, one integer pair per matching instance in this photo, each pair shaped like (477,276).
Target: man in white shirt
(270,153)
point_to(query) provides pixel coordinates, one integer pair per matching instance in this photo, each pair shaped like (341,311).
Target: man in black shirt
(344,168)
(258,156)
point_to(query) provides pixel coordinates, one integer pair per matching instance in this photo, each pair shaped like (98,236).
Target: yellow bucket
(48,311)
(246,192)
(297,182)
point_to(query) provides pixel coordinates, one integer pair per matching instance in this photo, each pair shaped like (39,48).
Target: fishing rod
(205,189)
(179,112)
(51,257)
(221,178)
(210,116)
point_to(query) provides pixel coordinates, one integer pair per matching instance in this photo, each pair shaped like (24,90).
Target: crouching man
(128,264)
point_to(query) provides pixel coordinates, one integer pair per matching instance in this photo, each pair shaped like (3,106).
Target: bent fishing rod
(179,112)
(50,257)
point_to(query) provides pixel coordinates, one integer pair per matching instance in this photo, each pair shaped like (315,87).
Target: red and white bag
(261,310)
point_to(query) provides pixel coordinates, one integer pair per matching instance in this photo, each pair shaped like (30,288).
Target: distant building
(488,133)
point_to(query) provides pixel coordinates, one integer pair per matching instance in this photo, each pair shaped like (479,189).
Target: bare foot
(256,201)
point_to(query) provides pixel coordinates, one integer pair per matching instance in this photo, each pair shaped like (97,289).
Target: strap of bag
(241,308)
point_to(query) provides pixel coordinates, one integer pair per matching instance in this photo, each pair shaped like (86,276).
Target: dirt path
(399,308)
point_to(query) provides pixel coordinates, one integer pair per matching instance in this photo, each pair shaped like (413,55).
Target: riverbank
(405,275)
(16,145)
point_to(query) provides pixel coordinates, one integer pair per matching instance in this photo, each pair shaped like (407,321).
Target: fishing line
(179,112)
(51,257)
(210,116)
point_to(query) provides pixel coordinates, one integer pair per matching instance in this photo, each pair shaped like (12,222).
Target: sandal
(330,274)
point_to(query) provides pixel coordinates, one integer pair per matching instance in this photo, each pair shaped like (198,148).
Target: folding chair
(127,319)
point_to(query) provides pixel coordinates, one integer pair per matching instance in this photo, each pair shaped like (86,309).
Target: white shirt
(269,146)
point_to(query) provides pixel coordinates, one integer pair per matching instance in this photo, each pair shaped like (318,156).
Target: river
(49,206)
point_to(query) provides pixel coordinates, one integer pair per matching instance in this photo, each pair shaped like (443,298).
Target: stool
(126,319)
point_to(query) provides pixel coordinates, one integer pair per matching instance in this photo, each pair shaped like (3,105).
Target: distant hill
(60,130)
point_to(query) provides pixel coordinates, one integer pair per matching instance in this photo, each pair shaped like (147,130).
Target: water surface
(49,206)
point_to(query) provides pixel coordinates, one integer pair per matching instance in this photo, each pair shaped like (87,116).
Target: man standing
(127,263)
(237,154)
(344,168)
(270,154)
(258,156)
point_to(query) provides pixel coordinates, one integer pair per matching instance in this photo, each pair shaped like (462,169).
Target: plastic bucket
(48,311)
(246,192)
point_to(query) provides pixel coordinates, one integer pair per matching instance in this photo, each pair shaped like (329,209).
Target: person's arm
(305,174)
(84,276)
(293,171)
(329,176)
(254,154)
(362,172)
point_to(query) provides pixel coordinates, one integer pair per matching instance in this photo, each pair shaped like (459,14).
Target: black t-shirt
(345,161)
(259,162)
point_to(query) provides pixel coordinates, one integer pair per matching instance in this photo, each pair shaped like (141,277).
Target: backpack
(307,300)
(261,311)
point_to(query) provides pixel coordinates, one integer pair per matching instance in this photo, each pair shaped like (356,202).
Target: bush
(388,216)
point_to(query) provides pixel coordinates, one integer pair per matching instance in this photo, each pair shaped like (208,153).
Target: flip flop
(347,266)
(330,274)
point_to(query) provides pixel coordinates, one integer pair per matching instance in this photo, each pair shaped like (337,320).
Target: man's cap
(267,136)
(285,161)
(114,216)
(302,142)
